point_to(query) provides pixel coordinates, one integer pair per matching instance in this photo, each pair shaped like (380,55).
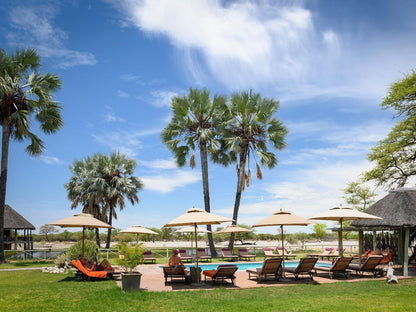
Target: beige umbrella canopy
(190,229)
(282,218)
(138,229)
(83,220)
(195,217)
(341,214)
(233,229)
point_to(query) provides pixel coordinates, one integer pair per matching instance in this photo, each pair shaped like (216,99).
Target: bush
(73,253)
(130,257)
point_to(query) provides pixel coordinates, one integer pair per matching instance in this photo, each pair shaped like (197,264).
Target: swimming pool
(242,266)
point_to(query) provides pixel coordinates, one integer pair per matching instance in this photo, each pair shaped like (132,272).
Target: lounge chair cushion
(88,272)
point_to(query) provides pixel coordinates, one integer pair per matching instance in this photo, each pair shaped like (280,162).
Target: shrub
(130,257)
(90,251)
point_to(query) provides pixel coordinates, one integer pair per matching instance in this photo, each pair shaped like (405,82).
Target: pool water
(251,265)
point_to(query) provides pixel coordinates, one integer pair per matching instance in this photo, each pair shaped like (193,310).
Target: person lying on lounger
(93,266)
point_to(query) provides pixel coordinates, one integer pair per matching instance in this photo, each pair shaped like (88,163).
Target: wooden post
(360,244)
(374,241)
(15,239)
(406,252)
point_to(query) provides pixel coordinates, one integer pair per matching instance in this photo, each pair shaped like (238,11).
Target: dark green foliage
(395,156)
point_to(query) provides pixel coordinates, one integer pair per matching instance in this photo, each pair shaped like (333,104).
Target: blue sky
(329,63)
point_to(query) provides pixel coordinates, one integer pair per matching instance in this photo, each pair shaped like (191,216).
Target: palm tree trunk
(3,181)
(110,221)
(97,237)
(205,185)
(240,174)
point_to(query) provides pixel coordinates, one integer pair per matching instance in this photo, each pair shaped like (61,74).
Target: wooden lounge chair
(268,253)
(87,274)
(325,253)
(305,266)
(223,272)
(287,255)
(226,254)
(175,272)
(147,257)
(369,265)
(271,267)
(202,255)
(339,266)
(184,257)
(243,254)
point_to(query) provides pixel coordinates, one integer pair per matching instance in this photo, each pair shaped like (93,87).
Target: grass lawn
(37,291)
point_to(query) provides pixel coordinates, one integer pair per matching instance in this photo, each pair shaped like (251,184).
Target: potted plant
(129,258)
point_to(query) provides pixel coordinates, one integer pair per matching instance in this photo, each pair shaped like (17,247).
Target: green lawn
(37,291)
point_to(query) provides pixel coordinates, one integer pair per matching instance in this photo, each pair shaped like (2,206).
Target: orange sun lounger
(85,273)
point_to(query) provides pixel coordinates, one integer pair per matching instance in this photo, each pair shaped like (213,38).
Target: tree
(320,230)
(248,130)
(193,128)
(395,156)
(100,183)
(47,229)
(360,197)
(25,94)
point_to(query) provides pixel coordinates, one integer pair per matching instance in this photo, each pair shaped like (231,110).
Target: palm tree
(82,191)
(191,129)
(24,94)
(247,132)
(100,183)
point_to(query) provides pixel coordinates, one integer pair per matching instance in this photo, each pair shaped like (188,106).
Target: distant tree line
(169,234)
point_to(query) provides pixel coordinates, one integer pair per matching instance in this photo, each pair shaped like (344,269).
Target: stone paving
(153,280)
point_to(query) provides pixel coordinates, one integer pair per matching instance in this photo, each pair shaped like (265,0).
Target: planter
(131,281)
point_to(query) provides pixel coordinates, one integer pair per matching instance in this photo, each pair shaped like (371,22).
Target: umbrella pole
(340,239)
(83,237)
(196,256)
(283,252)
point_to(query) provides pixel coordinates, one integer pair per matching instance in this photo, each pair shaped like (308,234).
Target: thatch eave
(14,221)
(397,209)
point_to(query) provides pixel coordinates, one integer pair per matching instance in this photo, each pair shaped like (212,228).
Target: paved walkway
(153,280)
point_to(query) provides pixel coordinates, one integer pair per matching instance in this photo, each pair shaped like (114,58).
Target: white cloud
(275,45)
(122,94)
(159,164)
(111,117)
(126,142)
(171,181)
(130,77)
(162,98)
(304,192)
(51,160)
(34,26)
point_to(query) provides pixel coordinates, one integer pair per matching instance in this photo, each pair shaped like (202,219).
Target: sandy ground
(350,246)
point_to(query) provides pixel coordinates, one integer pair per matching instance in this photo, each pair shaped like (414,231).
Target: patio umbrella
(341,214)
(232,229)
(190,229)
(138,229)
(83,220)
(282,218)
(195,217)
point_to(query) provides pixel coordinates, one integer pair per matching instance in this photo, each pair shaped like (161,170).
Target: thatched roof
(14,221)
(396,209)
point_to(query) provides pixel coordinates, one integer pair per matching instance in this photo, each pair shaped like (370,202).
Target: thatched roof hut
(14,221)
(398,212)
(397,209)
